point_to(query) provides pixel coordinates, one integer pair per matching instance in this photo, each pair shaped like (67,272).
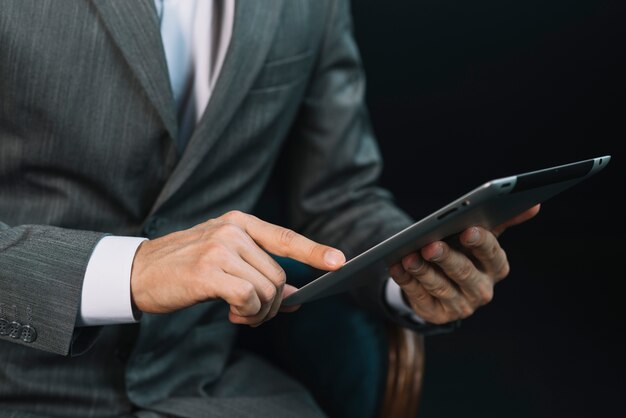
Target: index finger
(287,243)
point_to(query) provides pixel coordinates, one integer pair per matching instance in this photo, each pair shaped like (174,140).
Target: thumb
(522,217)
(288,290)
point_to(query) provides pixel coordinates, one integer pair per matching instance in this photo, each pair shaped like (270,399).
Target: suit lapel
(254,27)
(134,27)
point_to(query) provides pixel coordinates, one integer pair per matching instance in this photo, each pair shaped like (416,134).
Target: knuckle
(311,250)
(209,224)
(441,291)
(493,252)
(420,297)
(244,293)
(230,229)
(233,215)
(236,319)
(214,250)
(464,272)
(277,269)
(267,294)
(280,278)
(504,270)
(485,295)
(465,311)
(287,237)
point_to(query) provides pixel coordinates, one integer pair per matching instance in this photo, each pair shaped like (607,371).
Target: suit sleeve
(41,276)
(336,162)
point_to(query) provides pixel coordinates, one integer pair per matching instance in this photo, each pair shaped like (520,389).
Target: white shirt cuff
(106,298)
(393,296)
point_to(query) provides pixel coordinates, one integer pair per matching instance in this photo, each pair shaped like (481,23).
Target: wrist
(136,280)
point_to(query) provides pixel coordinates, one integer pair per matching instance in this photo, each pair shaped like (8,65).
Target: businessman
(136,138)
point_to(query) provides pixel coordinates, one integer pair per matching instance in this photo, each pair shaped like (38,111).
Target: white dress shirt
(105,298)
(193,68)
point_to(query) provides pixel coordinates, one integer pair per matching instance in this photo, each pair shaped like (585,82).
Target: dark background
(464,91)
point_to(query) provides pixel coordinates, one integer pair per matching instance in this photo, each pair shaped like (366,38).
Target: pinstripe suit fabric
(87,133)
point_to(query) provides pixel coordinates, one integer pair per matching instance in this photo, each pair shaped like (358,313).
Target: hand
(443,283)
(224,258)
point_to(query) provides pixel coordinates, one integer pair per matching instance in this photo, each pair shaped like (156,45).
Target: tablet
(489,205)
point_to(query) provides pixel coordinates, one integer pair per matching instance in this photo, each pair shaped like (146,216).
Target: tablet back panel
(488,206)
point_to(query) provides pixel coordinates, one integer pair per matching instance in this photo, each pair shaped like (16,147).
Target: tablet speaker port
(446,213)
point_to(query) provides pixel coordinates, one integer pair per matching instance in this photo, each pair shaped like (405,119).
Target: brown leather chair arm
(404,373)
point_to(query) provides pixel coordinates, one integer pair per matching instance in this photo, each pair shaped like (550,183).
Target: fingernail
(473,236)
(416,264)
(333,258)
(438,253)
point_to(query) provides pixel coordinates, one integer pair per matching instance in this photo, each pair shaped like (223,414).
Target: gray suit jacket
(87,133)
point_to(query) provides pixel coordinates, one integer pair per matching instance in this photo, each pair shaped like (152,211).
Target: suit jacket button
(4,327)
(15,329)
(28,334)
